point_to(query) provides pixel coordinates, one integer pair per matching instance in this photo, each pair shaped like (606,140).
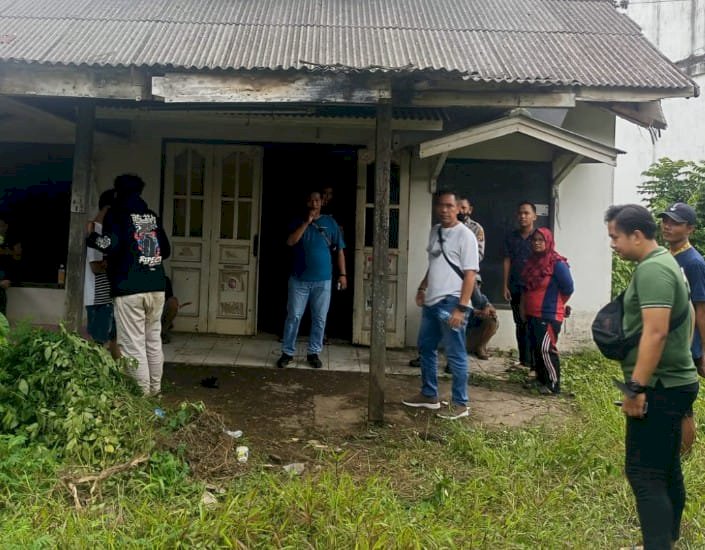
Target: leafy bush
(668,181)
(622,271)
(61,391)
(4,329)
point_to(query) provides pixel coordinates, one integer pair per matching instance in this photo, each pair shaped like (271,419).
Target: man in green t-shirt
(660,376)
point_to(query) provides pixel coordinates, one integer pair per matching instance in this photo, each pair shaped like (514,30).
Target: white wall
(678,30)
(40,306)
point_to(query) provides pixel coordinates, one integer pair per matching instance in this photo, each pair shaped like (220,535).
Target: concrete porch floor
(264,350)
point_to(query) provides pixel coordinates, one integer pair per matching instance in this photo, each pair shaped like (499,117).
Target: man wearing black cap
(677,224)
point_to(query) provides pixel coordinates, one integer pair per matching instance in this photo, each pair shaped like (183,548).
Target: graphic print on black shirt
(147,241)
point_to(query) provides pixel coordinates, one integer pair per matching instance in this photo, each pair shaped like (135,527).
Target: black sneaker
(314,361)
(284,360)
(416,363)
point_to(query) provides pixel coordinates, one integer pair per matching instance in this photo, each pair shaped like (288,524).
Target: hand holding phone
(646,406)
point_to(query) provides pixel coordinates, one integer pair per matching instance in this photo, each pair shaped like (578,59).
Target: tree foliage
(668,181)
(665,182)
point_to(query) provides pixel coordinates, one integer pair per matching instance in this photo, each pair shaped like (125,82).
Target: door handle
(255,245)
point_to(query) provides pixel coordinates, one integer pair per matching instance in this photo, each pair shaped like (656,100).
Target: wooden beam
(80,187)
(563,165)
(265,88)
(83,82)
(380,262)
(437,169)
(501,100)
(629,95)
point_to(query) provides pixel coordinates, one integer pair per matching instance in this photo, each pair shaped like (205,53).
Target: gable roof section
(550,42)
(520,122)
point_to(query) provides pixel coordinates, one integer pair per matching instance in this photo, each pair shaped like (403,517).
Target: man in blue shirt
(316,240)
(677,224)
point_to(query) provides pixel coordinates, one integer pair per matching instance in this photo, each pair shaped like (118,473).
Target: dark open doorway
(289,172)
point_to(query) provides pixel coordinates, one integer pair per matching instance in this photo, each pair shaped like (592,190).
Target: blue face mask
(462,217)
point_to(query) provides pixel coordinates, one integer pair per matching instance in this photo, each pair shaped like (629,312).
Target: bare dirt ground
(289,415)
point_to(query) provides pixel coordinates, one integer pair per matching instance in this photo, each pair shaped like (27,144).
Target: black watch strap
(461,307)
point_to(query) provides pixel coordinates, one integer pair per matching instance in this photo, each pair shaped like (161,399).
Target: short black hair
(129,184)
(442,192)
(629,218)
(531,204)
(106,199)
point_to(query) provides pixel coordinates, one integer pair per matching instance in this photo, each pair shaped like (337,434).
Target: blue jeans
(432,331)
(315,293)
(101,323)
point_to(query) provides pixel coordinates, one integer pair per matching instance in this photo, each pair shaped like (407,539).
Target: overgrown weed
(554,485)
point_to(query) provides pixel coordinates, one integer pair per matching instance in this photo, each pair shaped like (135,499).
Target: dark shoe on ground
(416,363)
(421,401)
(545,390)
(531,384)
(314,361)
(455,412)
(482,355)
(284,360)
(210,382)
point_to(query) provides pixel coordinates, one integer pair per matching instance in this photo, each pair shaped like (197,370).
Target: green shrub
(61,391)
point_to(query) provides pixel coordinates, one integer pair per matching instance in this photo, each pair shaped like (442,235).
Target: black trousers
(522,333)
(653,464)
(3,301)
(543,337)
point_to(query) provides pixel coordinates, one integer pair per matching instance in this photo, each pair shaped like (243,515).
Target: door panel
(188,169)
(233,268)
(212,212)
(398,249)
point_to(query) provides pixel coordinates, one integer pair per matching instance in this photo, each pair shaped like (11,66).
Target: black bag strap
(633,340)
(458,271)
(323,233)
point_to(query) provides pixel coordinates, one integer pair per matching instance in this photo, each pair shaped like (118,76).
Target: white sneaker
(454,412)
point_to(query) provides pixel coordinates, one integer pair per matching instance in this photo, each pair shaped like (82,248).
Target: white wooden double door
(212,196)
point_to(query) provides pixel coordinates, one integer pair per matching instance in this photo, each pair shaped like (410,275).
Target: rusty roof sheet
(555,42)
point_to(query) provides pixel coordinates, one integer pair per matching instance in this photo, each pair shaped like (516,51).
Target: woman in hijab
(547,287)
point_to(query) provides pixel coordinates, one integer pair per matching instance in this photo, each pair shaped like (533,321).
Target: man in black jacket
(136,245)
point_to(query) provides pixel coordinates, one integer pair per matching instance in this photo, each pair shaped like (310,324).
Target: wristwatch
(635,386)
(462,308)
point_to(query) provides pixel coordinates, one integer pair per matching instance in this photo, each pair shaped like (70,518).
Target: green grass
(559,485)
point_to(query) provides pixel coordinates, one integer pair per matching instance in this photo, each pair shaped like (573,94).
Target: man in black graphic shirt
(136,245)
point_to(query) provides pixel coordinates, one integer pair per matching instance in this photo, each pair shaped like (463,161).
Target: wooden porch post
(76,260)
(380,268)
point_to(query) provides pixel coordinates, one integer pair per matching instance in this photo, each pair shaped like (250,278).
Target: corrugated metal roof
(561,42)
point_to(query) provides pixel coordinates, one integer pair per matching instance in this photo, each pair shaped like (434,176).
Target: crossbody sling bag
(458,271)
(477,298)
(608,333)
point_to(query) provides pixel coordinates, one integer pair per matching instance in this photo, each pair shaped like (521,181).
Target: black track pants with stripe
(543,337)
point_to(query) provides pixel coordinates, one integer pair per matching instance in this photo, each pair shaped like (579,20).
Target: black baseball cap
(680,212)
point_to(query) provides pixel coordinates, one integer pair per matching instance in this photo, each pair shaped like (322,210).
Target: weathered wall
(581,237)
(678,30)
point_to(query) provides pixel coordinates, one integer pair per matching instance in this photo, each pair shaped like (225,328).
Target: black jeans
(522,332)
(653,464)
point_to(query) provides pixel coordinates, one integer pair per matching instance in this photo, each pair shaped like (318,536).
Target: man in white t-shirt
(444,294)
(96,289)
